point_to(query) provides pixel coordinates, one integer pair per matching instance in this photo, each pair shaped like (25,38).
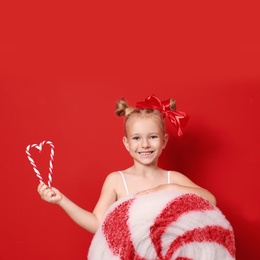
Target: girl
(145,138)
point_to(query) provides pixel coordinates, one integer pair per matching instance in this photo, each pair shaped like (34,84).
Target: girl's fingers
(54,190)
(44,190)
(42,186)
(47,192)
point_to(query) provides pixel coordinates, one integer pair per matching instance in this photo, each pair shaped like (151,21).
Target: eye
(153,136)
(136,138)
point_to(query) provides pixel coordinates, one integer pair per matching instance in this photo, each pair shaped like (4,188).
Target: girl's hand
(48,194)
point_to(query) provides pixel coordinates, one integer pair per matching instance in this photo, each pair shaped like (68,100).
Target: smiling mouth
(145,153)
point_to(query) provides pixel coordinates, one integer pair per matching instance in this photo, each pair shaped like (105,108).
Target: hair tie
(177,118)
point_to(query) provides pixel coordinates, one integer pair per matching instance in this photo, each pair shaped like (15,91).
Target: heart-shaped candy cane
(39,147)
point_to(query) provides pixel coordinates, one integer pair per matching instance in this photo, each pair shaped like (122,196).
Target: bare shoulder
(112,175)
(111,179)
(181,179)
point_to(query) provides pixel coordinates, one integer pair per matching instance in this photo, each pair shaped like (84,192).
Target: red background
(64,65)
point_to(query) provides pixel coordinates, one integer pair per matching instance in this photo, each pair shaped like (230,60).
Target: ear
(126,144)
(165,140)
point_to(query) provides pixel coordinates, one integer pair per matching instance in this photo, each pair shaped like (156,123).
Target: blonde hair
(123,109)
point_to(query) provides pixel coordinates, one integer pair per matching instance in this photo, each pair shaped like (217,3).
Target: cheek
(133,146)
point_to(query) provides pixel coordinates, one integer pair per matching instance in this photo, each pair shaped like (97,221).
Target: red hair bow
(177,118)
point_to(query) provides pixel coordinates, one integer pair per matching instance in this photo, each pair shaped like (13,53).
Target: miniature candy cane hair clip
(177,118)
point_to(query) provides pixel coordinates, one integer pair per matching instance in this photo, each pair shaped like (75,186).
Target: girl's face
(145,139)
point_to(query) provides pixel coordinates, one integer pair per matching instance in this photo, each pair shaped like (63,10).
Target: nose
(145,143)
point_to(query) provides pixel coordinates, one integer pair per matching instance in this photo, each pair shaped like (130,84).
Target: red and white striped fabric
(163,225)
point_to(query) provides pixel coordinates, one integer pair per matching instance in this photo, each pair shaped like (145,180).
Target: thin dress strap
(123,177)
(169,177)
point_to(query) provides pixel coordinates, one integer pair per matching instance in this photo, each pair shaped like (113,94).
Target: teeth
(145,153)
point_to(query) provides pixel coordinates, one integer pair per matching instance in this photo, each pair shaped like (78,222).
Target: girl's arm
(80,216)
(186,189)
(197,190)
(184,184)
(86,219)
(181,182)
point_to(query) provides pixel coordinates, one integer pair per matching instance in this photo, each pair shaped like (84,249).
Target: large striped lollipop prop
(39,147)
(165,225)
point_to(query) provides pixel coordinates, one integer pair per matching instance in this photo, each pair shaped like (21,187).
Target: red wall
(63,66)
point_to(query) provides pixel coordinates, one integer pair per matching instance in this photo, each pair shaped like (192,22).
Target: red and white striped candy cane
(39,147)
